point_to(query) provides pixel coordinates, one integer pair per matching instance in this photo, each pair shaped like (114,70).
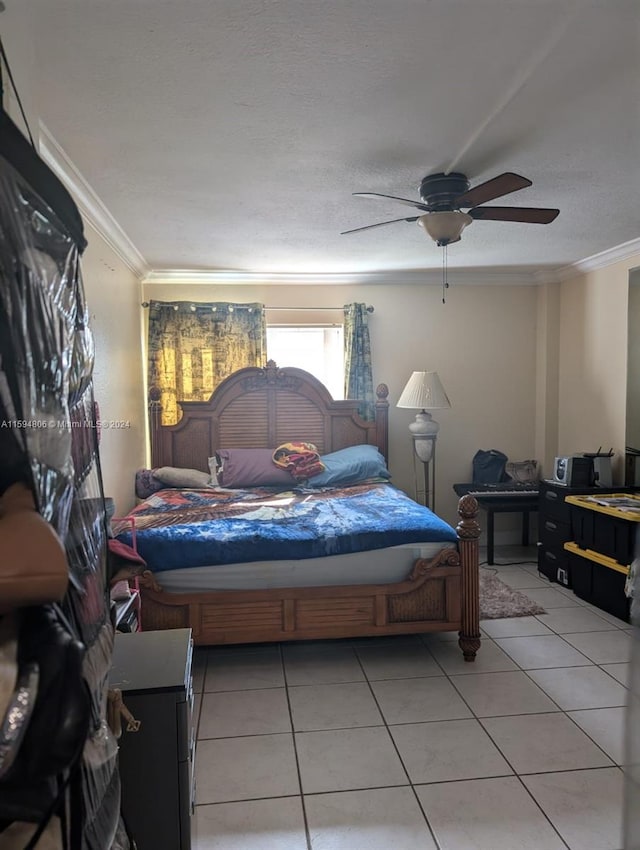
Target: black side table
(497,500)
(153,671)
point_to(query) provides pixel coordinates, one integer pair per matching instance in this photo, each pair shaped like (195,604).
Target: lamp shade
(445,227)
(424,391)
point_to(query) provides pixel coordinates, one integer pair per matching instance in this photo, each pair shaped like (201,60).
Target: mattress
(380,566)
(185,529)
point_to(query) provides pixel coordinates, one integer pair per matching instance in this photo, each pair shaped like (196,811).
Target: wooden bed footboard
(440,594)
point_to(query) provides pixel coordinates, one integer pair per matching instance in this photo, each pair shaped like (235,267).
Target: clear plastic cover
(48,438)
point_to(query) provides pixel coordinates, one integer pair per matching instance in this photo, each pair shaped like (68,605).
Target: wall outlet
(562,576)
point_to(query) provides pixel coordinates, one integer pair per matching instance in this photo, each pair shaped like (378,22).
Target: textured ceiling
(230,134)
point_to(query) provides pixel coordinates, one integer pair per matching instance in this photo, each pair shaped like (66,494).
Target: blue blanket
(193,528)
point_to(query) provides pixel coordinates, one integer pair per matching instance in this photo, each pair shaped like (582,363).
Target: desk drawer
(553,505)
(554,564)
(553,532)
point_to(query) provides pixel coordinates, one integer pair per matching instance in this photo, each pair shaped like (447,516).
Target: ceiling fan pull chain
(445,272)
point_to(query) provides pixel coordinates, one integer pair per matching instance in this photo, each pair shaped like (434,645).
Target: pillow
(251,468)
(146,484)
(347,466)
(173,476)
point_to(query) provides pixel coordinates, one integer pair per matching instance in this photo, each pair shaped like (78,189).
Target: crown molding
(97,214)
(91,207)
(409,276)
(601,260)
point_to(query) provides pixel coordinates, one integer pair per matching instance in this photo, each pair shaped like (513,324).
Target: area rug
(498,600)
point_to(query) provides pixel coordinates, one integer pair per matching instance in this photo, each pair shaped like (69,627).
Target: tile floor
(378,743)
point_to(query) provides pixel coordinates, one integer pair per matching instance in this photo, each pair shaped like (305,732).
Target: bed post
(382,420)
(468,542)
(155,421)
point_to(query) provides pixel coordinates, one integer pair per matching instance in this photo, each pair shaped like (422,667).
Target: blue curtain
(358,374)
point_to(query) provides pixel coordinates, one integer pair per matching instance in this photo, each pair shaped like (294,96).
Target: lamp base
(424,447)
(424,425)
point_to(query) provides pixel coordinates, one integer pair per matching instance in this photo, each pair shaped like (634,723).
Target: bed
(406,587)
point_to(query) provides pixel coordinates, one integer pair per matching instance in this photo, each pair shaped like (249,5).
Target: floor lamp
(424,392)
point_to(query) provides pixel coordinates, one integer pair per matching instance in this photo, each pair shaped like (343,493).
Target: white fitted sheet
(378,566)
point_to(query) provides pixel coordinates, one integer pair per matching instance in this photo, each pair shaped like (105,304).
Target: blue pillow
(350,465)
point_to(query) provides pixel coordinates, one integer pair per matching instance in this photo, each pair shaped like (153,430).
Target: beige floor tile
(342,706)
(574,688)
(276,824)
(244,672)
(417,700)
(348,759)
(376,819)
(398,662)
(605,615)
(606,727)
(231,769)
(535,652)
(521,579)
(539,743)
(550,597)
(317,666)
(608,647)
(515,627)
(568,620)
(452,749)
(486,814)
(231,713)
(585,806)
(489,659)
(620,672)
(494,694)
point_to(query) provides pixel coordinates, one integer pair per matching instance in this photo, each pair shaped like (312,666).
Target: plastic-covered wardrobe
(59,784)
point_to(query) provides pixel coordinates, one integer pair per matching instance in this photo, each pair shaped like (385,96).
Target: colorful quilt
(193,528)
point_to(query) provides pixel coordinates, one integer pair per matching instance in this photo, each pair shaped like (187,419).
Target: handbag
(33,568)
(489,467)
(46,721)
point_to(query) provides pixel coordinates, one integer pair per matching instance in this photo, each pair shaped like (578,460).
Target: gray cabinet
(157,764)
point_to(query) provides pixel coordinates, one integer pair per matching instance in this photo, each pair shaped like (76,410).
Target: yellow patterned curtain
(194,346)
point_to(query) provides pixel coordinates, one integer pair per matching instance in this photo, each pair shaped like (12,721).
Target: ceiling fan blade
(415,204)
(528,215)
(379,224)
(501,185)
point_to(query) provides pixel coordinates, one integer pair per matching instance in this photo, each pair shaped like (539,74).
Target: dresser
(554,527)
(157,764)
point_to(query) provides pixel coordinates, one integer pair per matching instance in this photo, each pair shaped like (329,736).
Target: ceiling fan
(444,195)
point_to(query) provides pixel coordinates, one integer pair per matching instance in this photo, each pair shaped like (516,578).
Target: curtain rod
(370,309)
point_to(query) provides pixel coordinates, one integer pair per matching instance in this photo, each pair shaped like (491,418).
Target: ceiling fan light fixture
(444,227)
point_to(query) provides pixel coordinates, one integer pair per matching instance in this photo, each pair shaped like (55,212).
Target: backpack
(489,467)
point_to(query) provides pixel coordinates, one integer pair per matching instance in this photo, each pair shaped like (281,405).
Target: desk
(493,503)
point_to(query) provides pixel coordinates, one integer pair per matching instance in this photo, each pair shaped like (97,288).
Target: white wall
(113,296)
(113,293)
(482,342)
(632,437)
(593,361)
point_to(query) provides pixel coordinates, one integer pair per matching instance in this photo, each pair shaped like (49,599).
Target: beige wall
(113,296)
(593,361)
(632,437)
(482,342)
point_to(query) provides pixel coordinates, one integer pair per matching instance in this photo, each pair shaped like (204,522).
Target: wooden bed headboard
(262,408)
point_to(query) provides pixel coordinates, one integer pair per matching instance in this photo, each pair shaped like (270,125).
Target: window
(318,349)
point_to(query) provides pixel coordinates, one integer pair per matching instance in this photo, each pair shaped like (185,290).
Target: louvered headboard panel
(262,408)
